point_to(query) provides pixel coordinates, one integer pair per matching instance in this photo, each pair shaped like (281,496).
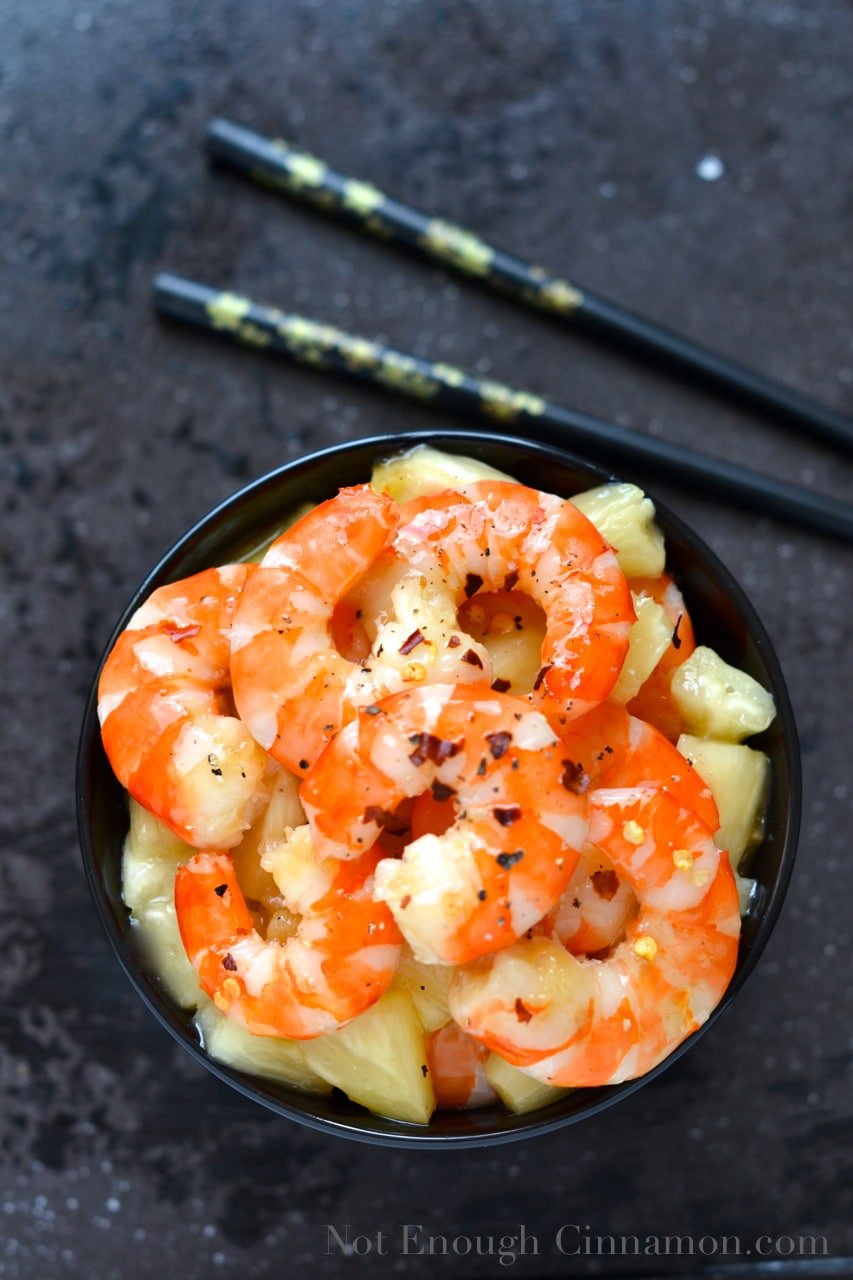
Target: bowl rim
(402,1134)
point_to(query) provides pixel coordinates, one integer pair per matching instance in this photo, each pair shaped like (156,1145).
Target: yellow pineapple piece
(720,701)
(625,517)
(648,640)
(424,470)
(379,1059)
(277,1059)
(152,855)
(739,779)
(519,1092)
(427,984)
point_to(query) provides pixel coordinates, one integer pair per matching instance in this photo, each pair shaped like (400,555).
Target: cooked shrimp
(456,1064)
(596,905)
(304,652)
(610,748)
(654,702)
(165,711)
(578,1022)
(289,680)
(495,535)
(339,961)
(518,820)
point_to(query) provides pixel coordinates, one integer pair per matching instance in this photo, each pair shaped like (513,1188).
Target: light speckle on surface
(710,168)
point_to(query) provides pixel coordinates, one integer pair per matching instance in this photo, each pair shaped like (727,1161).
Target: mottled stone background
(575,133)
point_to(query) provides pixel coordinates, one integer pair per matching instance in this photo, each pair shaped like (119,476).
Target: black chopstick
(326,347)
(279,165)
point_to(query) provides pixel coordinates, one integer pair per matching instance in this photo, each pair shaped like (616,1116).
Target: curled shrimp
(166,715)
(574,1021)
(610,748)
(594,909)
(290,682)
(339,961)
(654,701)
(302,659)
(456,1064)
(518,819)
(495,536)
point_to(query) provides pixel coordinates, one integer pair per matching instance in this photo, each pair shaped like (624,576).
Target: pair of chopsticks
(324,346)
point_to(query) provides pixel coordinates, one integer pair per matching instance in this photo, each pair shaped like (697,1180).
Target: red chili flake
(573,777)
(441,791)
(521,1010)
(221,890)
(176,634)
(473,582)
(473,659)
(386,820)
(404,901)
(605,884)
(228,962)
(507,860)
(499,743)
(454,642)
(500,685)
(511,581)
(412,641)
(429,747)
(676,638)
(506,817)
(541,674)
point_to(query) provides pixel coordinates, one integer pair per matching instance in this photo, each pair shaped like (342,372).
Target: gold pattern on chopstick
(550,293)
(360,353)
(503,403)
(252,335)
(361,197)
(559,295)
(228,311)
(449,374)
(458,246)
(403,374)
(304,170)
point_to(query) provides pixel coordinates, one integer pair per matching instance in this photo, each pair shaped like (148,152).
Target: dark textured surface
(572,133)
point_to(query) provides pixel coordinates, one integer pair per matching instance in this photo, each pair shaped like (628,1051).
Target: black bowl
(724,619)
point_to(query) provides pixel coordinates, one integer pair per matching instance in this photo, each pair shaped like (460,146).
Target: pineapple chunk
(519,1092)
(152,855)
(511,627)
(379,1060)
(427,984)
(739,779)
(648,641)
(626,518)
(424,470)
(719,701)
(228,1042)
